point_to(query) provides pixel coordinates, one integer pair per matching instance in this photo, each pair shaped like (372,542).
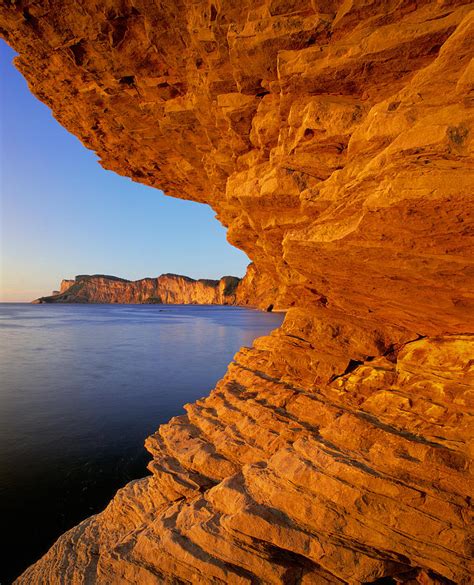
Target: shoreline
(126,371)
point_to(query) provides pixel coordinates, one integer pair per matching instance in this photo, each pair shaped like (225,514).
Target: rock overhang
(334,141)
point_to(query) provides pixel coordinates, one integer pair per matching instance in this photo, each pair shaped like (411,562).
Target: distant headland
(164,289)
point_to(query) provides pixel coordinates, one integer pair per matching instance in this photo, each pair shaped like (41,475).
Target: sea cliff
(334,140)
(166,289)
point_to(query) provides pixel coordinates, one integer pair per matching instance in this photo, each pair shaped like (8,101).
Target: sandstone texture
(65,284)
(334,140)
(165,289)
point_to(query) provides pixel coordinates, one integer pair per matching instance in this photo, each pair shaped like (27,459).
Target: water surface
(81,387)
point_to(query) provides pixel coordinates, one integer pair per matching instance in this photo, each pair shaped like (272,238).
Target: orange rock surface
(167,289)
(65,284)
(334,140)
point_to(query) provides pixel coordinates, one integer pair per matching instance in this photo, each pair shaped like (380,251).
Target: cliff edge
(167,289)
(334,140)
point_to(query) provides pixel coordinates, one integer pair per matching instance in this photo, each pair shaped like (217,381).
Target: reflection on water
(82,386)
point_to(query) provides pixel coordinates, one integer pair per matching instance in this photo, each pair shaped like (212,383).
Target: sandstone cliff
(167,289)
(334,140)
(65,284)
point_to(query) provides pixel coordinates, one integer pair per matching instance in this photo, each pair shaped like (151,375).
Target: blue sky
(62,214)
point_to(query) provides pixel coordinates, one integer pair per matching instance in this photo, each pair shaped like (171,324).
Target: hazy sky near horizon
(62,214)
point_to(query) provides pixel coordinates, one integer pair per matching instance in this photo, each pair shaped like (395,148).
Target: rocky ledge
(333,138)
(167,289)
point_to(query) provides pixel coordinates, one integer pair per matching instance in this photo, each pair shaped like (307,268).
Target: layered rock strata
(334,141)
(166,289)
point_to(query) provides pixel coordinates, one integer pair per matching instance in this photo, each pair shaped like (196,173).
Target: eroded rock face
(334,140)
(65,284)
(167,289)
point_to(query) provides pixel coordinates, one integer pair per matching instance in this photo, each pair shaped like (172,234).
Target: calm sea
(81,387)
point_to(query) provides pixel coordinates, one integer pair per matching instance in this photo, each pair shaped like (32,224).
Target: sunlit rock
(165,289)
(334,141)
